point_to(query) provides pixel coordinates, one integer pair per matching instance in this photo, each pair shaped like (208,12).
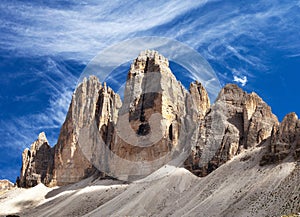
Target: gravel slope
(238,188)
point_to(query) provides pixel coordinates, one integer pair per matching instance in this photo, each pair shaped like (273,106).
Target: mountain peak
(36,163)
(151,54)
(42,137)
(149,61)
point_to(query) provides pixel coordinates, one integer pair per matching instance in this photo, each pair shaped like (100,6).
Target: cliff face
(37,163)
(158,122)
(152,120)
(235,122)
(285,141)
(91,103)
(70,165)
(200,99)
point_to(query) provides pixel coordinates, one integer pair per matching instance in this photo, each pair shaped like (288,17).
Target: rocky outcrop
(70,164)
(129,140)
(236,121)
(144,134)
(200,99)
(285,141)
(37,163)
(5,185)
(155,105)
(91,103)
(154,102)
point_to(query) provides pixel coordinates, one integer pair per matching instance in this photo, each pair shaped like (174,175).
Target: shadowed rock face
(285,141)
(100,132)
(151,117)
(37,163)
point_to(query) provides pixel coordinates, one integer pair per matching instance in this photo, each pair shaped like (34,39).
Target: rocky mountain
(158,122)
(70,165)
(161,151)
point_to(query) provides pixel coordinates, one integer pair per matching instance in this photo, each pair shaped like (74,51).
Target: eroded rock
(37,163)
(236,121)
(285,140)
(93,104)
(5,185)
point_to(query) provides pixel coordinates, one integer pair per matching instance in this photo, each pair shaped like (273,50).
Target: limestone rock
(285,140)
(151,89)
(200,98)
(258,120)
(37,163)
(5,185)
(149,122)
(90,105)
(130,139)
(97,134)
(236,121)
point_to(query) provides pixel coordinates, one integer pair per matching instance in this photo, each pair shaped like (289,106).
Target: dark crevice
(142,116)
(146,65)
(144,129)
(171,132)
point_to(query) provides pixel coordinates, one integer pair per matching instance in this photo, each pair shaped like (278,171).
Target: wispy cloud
(293,55)
(235,35)
(242,81)
(221,31)
(83,30)
(58,82)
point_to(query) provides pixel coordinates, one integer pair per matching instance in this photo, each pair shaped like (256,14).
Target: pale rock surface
(151,91)
(158,121)
(5,185)
(92,104)
(236,121)
(152,96)
(143,132)
(37,163)
(200,98)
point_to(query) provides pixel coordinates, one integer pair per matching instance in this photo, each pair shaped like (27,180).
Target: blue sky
(45,45)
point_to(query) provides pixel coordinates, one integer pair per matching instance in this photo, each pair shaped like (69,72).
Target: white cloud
(242,81)
(293,55)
